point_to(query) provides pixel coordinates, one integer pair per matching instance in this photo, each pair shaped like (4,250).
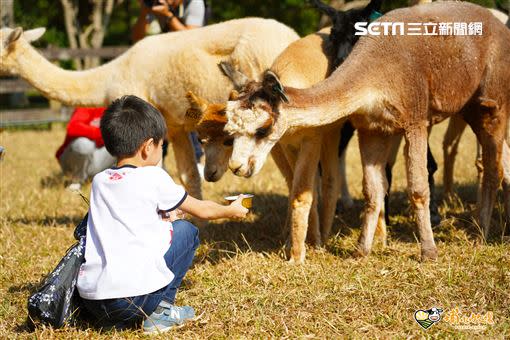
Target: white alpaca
(159,69)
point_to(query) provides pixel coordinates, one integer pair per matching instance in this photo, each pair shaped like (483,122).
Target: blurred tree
(298,14)
(86,24)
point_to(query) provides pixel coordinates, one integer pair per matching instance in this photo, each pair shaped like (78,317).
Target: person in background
(171,16)
(82,155)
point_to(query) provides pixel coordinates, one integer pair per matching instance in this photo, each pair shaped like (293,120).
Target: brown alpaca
(295,70)
(456,126)
(388,85)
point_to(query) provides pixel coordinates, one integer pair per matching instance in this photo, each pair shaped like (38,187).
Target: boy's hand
(173,215)
(238,210)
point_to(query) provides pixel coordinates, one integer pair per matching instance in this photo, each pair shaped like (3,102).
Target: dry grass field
(240,281)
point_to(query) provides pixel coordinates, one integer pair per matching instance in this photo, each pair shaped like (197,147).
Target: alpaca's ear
(34,34)
(273,86)
(13,36)
(234,95)
(238,78)
(196,109)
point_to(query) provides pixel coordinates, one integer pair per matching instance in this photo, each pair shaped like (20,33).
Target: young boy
(135,260)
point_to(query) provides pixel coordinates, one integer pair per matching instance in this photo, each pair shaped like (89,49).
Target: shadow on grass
(262,231)
(48,221)
(54,180)
(265,233)
(457,214)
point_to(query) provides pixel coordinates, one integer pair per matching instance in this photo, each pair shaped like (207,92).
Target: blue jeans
(126,312)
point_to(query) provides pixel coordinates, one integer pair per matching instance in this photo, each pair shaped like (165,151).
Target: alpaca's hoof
(297,257)
(361,252)
(296,261)
(429,254)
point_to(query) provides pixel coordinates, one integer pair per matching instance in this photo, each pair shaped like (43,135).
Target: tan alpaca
(387,87)
(295,70)
(159,69)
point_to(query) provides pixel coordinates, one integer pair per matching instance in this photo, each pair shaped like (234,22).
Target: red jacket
(84,122)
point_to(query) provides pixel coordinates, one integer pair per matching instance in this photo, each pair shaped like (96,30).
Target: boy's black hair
(127,123)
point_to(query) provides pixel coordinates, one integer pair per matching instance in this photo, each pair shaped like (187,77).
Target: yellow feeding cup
(247,200)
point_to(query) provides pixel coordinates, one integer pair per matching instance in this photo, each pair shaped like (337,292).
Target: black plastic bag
(56,302)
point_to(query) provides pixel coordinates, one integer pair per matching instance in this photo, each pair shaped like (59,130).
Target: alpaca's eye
(261,132)
(229,142)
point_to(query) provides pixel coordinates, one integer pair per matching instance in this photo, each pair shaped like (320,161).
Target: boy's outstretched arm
(209,210)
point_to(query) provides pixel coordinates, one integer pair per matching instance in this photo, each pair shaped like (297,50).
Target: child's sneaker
(167,316)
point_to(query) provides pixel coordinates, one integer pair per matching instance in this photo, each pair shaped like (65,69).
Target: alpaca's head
(10,41)
(255,124)
(209,120)
(342,34)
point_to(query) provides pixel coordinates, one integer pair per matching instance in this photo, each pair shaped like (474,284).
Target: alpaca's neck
(77,88)
(327,102)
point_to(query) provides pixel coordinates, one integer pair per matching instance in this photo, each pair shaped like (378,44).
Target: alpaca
(159,69)
(386,87)
(456,127)
(296,71)
(342,36)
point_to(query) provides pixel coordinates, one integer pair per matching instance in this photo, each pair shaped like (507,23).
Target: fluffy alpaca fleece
(159,69)
(386,87)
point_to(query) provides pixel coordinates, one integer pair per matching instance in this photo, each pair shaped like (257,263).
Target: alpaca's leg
(392,158)
(329,181)
(346,133)
(345,195)
(313,235)
(278,154)
(505,159)
(282,163)
(374,151)
(419,195)
(488,119)
(479,169)
(186,163)
(492,145)
(301,197)
(290,158)
(435,218)
(451,140)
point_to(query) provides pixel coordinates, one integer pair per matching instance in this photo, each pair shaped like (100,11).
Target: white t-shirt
(126,238)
